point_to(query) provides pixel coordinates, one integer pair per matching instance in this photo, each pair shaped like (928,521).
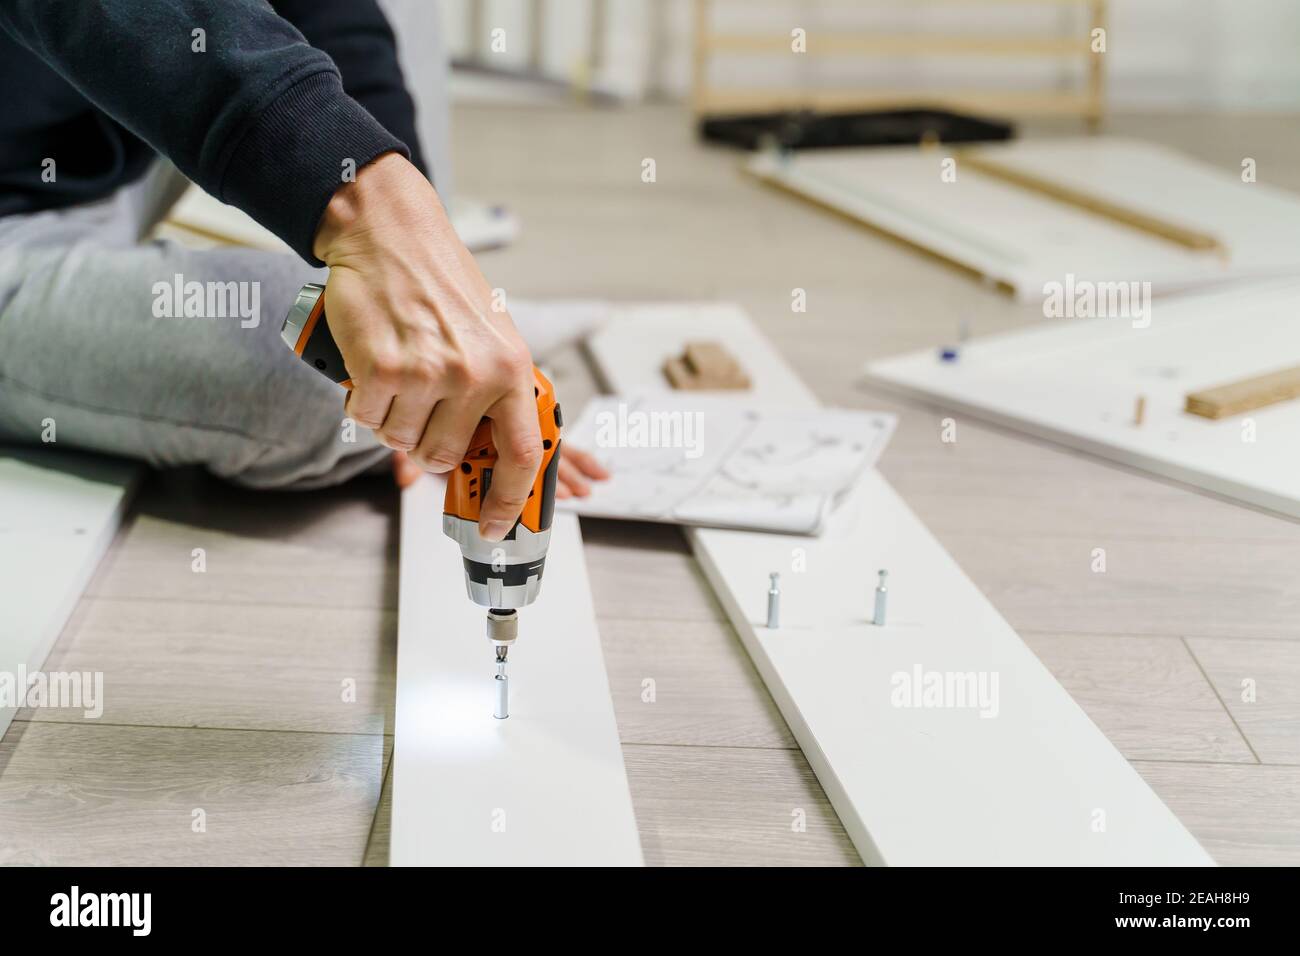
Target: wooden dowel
(1244,395)
(1153,225)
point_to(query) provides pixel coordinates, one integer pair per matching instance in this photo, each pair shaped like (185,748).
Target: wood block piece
(705,365)
(1246,394)
(679,374)
(709,359)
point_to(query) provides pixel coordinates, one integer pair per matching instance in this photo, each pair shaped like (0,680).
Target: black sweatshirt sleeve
(248,110)
(358,38)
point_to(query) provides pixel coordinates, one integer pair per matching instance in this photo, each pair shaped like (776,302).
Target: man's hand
(428,357)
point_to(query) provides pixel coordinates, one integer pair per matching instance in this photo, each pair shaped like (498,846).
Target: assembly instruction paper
(722,461)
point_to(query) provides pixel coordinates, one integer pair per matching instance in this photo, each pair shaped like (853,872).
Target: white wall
(1208,54)
(1163,54)
(566,40)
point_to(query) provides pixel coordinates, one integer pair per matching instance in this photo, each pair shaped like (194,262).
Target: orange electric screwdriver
(499,575)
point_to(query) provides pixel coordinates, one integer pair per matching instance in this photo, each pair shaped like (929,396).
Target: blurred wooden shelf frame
(1087,102)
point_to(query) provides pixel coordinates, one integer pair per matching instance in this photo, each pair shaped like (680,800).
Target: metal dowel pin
(882,594)
(502,683)
(774,601)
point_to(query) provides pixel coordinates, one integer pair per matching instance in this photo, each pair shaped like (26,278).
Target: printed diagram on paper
(719,461)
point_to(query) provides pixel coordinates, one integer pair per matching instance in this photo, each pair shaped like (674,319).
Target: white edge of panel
(123,478)
(1225,487)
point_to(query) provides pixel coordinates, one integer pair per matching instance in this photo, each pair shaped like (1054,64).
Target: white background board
(552,772)
(58,514)
(1024,239)
(1077,382)
(913,786)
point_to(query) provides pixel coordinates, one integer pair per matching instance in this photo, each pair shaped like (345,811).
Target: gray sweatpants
(94,355)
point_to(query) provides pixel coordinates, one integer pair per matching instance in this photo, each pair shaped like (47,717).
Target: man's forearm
(226,89)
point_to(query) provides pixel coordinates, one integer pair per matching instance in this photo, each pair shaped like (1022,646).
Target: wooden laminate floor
(249,706)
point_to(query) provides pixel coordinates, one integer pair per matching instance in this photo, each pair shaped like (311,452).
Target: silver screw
(774,601)
(882,593)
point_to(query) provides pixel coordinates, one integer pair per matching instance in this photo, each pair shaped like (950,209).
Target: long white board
(1023,239)
(1078,381)
(545,787)
(1033,783)
(59,512)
